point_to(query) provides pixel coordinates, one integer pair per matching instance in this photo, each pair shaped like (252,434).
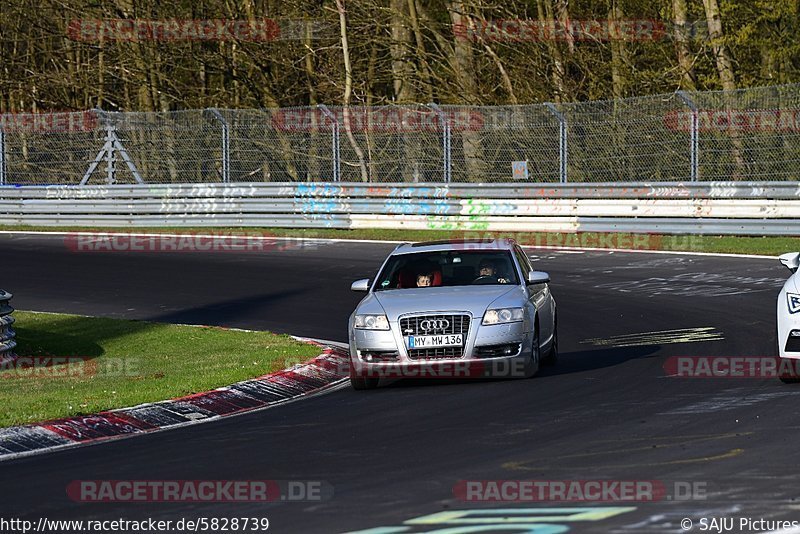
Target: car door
(539,296)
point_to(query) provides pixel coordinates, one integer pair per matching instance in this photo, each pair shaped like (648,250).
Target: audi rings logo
(434,324)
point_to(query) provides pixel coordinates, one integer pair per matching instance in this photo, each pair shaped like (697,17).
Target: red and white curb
(319,374)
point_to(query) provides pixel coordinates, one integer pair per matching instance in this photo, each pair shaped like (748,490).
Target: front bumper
(788,329)
(789,344)
(495,350)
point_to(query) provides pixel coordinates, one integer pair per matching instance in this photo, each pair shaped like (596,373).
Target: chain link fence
(751,134)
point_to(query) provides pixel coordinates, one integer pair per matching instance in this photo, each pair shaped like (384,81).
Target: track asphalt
(609,410)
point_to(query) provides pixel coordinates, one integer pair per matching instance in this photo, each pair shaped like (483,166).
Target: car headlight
(372,322)
(503,315)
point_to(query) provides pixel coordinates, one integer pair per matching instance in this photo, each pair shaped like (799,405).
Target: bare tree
(726,77)
(464,66)
(680,34)
(559,71)
(721,54)
(619,54)
(401,51)
(348,90)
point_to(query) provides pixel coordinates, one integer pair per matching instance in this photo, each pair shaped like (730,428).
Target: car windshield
(447,268)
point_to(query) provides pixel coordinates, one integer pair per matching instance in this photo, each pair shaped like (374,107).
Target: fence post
(337,161)
(693,134)
(111,160)
(562,141)
(226,146)
(447,159)
(2,155)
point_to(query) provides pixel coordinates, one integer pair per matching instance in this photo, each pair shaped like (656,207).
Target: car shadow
(598,358)
(568,363)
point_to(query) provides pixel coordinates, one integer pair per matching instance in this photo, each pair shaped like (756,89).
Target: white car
(789,315)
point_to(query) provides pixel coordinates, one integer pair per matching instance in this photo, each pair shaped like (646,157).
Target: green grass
(130,362)
(766,245)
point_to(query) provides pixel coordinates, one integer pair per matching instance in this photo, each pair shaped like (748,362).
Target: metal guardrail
(7,334)
(743,208)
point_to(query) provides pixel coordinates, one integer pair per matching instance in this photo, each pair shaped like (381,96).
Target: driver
(488,269)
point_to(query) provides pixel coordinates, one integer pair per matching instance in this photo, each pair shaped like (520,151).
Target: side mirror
(360,285)
(791,260)
(538,277)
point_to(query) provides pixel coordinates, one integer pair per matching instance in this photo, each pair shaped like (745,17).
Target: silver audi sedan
(455,309)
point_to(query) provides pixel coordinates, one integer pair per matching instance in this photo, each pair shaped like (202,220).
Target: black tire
(361,383)
(532,365)
(791,375)
(552,355)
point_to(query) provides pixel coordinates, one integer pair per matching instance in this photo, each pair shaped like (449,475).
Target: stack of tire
(7,343)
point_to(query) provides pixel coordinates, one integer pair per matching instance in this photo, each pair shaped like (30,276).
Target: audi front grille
(456,324)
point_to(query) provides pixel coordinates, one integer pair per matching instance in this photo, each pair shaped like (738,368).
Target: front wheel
(552,355)
(788,374)
(532,365)
(788,370)
(361,382)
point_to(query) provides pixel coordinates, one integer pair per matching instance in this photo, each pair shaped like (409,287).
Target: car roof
(456,244)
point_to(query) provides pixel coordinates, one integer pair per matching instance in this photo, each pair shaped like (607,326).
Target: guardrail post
(226,146)
(337,155)
(562,141)
(2,156)
(447,157)
(693,135)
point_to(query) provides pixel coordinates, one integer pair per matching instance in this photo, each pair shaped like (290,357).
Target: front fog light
(372,322)
(502,315)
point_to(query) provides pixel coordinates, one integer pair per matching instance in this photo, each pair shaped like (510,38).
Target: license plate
(427,342)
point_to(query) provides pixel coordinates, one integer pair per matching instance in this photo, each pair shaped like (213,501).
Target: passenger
(424,280)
